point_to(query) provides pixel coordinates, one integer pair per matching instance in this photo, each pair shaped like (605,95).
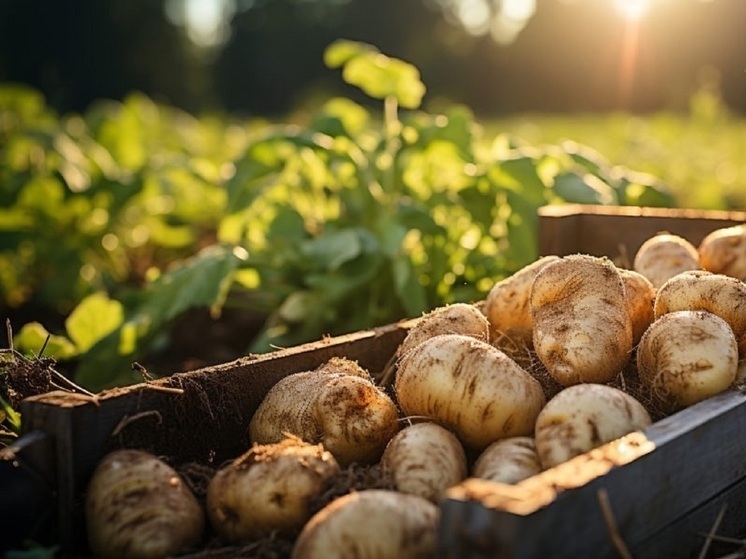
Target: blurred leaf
(95,317)
(33,336)
(381,76)
(583,189)
(342,51)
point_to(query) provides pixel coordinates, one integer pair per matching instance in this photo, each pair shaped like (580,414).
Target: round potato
(469,387)
(508,460)
(582,325)
(583,417)
(425,459)
(724,252)
(687,356)
(640,295)
(663,256)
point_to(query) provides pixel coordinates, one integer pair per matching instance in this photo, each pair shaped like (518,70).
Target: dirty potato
(508,460)
(663,256)
(724,252)
(583,417)
(640,295)
(582,327)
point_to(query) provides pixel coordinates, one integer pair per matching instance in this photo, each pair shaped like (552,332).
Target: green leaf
(331,250)
(408,288)
(31,339)
(94,318)
(583,189)
(380,76)
(342,51)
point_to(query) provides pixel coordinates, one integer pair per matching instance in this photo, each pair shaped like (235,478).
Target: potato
(640,295)
(425,459)
(371,524)
(724,252)
(696,290)
(508,460)
(137,506)
(458,318)
(268,489)
(687,356)
(582,328)
(346,413)
(469,387)
(663,256)
(585,416)
(507,303)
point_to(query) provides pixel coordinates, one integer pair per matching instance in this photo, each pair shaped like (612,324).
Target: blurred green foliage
(121,219)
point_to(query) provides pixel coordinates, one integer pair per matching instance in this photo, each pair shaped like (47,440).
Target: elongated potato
(425,459)
(663,256)
(346,413)
(371,524)
(268,489)
(508,460)
(458,318)
(137,506)
(687,356)
(507,304)
(724,252)
(583,417)
(640,295)
(719,294)
(469,387)
(582,327)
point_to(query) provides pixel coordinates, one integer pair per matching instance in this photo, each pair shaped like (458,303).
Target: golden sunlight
(632,10)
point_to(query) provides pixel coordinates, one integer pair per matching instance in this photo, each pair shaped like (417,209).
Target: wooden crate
(659,489)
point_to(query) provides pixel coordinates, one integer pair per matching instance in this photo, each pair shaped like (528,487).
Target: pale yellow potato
(724,252)
(506,306)
(663,256)
(458,318)
(137,506)
(268,489)
(583,417)
(508,460)
(640,295)
(686,357)
(469,387)
(697,290)
(425,459)
(371,524)
(347,413)
(582,330)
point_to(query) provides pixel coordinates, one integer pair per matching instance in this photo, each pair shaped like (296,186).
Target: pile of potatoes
(500,390)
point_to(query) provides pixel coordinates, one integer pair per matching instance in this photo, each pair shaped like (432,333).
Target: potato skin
(348,414)
(508,461)
(268,488)
(458,318)
(724,252)
(582,327)
(137,506)
(640,295)
(507,305)
(719,294)
(585,416)
(371,524)
(663,256)
(686,357)
(469,387)
(425,459)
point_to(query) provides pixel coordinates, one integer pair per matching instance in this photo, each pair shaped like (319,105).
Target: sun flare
(632,10)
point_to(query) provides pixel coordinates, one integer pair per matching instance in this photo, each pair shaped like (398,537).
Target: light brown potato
(640,295)
(469,387)
(583,417)
(507,303)
(696,290)
(348,414)
(371,524)
(137,506)
(663,256)
(458,318)
(425,459)
(582,328)
(686,357)
(268,489)
(508,460)
(724,252)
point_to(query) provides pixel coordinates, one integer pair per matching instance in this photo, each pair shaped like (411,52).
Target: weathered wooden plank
(618,232)
(692,456)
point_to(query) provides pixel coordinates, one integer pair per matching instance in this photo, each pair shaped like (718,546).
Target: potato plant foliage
(117,221)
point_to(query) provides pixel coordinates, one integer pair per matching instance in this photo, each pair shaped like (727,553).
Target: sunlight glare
(632,10)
